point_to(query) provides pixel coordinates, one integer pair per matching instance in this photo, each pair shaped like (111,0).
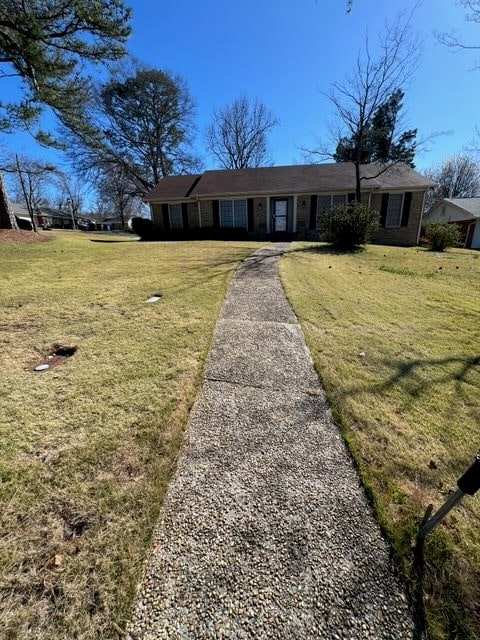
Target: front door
(280,209)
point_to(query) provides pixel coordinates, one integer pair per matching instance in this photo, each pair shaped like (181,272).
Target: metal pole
(441,512)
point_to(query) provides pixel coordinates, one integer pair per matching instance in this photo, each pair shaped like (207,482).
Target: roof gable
(470,205)
(173,187)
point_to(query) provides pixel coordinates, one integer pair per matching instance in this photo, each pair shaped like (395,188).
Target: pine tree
(45,45)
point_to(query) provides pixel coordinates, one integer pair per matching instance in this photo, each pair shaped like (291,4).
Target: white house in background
(464,212)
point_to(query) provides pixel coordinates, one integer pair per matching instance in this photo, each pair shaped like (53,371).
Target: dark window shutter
(250,214)
(351,197)
(383,209)
(407,201)
(165,216)
(216,214)
(313,213)
(185,215)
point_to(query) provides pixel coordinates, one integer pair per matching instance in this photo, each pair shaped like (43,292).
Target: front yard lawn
(87,447)
(395,336)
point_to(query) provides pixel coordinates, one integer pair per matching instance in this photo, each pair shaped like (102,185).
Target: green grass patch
(400,361)
(87,448)
(403,271)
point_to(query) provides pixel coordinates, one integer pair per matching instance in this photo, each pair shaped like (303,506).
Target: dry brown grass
(87,447)
(395,336)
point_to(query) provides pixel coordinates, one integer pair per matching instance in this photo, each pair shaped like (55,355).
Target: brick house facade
(288,202)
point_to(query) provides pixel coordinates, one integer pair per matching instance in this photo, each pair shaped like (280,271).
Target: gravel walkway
(265,531)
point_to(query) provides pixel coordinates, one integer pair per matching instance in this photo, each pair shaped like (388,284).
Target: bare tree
(31,178)
(69,195)
(456,177)
(357,100)
(116,194)
(452,40)
(237,136)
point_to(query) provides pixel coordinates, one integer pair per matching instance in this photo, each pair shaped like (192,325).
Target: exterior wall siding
(206,213)
(402,236)
(192,212)
(445,213)
(406,236)
(303,215)
(260,216)
(157,217)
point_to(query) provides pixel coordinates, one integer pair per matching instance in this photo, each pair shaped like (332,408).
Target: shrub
(144,228)
(349,226)
(441,235)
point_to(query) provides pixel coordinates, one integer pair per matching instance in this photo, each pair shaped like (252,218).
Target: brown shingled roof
(172,188)
(313,178)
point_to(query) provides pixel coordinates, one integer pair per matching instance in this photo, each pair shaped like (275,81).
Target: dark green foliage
(147,230)
(46,44)
(144,228)
(377,141)
(142,126)
(150,121)
(349,226)
(441,235)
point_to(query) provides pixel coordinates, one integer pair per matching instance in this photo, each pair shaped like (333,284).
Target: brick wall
(303,216)
(192,211)
(260,216)
(207,213)
(157,216)
(406,236)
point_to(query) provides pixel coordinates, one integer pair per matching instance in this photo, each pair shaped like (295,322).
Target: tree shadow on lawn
(115,241)
(328,249)
(408,374)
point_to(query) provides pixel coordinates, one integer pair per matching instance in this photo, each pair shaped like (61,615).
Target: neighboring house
(464,212)
(289,201)
(110,224)
(50,218)
(106,222)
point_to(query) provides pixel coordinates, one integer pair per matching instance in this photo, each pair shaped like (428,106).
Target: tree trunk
(28,200)
(358,185)
(122,215)
(7,218)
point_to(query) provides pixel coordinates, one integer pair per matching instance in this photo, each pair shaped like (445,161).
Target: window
(175,214)
(233,213)
(394,210)
(325,203)
(338,201)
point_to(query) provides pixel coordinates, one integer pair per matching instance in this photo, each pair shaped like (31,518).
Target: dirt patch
(12,236)
(74,522)
(57,355)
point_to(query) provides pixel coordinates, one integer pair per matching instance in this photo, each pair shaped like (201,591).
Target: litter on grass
(42,367)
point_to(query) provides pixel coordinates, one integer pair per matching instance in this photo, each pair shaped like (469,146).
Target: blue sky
(287,52)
